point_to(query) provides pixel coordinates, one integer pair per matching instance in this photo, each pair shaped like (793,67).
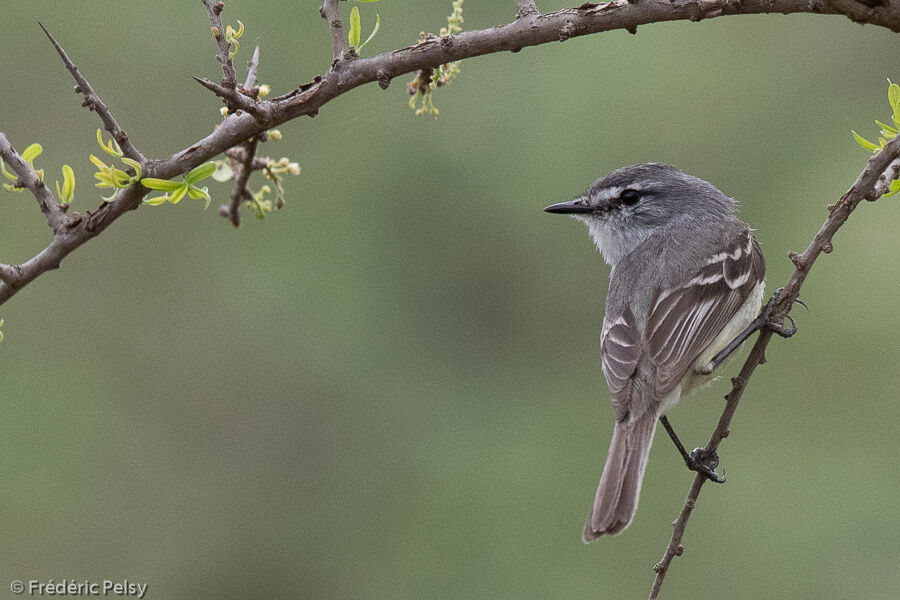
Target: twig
(525,8)
(56,216)
(242,171)
(332,16)
(869,186)
(214,10)
(93,102)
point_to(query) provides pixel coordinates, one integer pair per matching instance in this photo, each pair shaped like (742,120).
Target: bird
(687,276)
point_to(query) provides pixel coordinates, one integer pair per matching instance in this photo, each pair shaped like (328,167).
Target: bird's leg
(701,460)
(763,320)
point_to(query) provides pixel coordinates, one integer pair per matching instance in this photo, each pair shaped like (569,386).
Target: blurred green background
(392,388)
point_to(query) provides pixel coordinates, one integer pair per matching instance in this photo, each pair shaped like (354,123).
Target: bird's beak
(572,207)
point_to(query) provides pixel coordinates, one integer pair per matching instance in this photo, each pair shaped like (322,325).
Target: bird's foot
(705,461)
(776,327)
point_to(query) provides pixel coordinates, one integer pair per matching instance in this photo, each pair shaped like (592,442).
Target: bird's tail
(620,485)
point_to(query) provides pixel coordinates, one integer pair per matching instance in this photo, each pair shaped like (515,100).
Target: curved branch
(882,167)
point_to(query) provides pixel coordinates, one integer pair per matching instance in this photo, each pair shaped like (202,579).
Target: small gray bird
(687,277)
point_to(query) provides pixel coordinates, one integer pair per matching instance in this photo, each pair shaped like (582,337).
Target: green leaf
(371,35)
(163,185)
(223,171)
(98,163)
(197,193)
(886,129)
(67,192)
(894,94)
(202,172)
(6,173)
(866,144)
(157,200)
(112,147)
(134,165)
(178,194)
(355,28)
(894,188)
(32,152)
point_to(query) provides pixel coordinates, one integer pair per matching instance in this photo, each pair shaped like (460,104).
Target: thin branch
(242,171)
(252,68)
(93,102)
(56,215)
(526,8)
(332,16)
(214,10)
(869,186)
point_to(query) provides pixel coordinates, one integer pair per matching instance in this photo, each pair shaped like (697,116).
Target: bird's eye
(630,196)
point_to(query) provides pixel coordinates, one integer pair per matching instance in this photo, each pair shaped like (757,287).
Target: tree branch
(93,102)
(237,128)
(214,10)
(870,185)
(332,15)
(56,215)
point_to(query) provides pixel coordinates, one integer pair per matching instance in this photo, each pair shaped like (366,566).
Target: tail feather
(620,485)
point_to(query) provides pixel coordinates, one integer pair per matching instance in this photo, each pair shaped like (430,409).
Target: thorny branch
(214,10)
(870,185)
(243,156)
(348,72)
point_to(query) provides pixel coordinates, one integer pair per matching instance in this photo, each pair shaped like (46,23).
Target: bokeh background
(392,388)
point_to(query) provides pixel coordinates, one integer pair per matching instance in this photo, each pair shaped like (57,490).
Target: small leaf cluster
(888,132)
(274,171)
(355,32)
(109,176)
(65,193)
(232,36)
(425,83)
(174,191)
